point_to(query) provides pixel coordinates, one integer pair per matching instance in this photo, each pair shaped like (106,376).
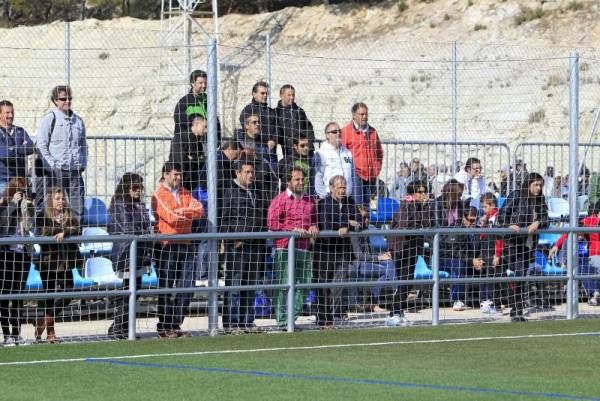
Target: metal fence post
(572,258)
(268,62)
(211,168)
(132,289)
(454,107)
(435,295)
(291,276)
(67,53)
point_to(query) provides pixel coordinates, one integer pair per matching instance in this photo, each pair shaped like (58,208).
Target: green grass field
(552,360)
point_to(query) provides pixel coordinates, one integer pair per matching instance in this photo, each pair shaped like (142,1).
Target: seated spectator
(16,220)
(417,170)
(401,180)
(292,122)
(589,265)
(57,259)
(333,159)
(128,216)
(474,182)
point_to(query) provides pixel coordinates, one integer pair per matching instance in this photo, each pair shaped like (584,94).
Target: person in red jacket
(591,264)
(174,209)
(363,142)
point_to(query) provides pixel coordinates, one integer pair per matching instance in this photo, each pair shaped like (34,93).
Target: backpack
(39,169)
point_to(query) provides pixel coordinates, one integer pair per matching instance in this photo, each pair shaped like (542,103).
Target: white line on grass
(307,347)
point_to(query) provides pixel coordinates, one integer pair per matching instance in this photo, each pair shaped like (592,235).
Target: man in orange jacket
(363,142)
(174,209)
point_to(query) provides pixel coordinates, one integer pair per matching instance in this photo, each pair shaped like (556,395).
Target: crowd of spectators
(270,176)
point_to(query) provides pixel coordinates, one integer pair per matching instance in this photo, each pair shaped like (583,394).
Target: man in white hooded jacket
(333,159)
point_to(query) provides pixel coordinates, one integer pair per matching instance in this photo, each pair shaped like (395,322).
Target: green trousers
(303,275)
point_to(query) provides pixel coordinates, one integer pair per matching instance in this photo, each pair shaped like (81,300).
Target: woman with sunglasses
(128,216)
(16,220)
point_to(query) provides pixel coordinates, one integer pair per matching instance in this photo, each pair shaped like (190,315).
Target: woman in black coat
(128,216)
(524,208)
(56,259)
(16,220)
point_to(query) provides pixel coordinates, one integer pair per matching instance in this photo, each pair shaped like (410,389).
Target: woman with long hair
(128,216)
(57,259)
(16,220)
(524,208)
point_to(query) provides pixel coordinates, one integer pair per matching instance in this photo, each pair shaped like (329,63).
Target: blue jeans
(458,269)
(385,270)
(363,191)
(590,266)
(201,261)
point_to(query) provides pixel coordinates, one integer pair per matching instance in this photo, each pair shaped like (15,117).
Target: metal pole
(211,173)
(292,283)
(268,61)
(187,37)
(454,107)
(435,296)
(67,53)
(132,288)
(572,263)
(215,10)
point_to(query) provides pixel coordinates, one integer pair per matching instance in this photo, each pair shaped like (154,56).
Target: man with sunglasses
(62,147)
(300,158)
(333,159)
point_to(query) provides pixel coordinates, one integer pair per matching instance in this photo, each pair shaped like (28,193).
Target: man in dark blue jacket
(15,145)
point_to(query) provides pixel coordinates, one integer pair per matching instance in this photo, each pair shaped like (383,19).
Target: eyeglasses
(64,99)
(335,131)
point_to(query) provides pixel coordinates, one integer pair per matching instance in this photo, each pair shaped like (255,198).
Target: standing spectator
(267,119)
(194,103)
(292,210)
(15,145)
(487,246)
(249,137)
(300,157)
(57,259)
(61,142)
(333,256)
(474,182)
(174,209)
(524,208)
(16,220)
(292,121)
(188,151)
(333,159)
(519,173)
(243,211)
(128,216)
(401,181)
(417,170)
(414,213)
(363,141)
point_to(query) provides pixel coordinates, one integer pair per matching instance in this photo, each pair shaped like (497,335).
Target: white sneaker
(458,306)
(486,306)
(397,321)
(9,342)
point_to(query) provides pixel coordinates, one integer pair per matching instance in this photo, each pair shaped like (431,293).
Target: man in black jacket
(188,151)
(292,121)
(259,107)
(243,211)
(194,103)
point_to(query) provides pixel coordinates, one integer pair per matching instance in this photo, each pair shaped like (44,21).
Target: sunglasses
(64,99)
(303,145)
(335,131)
(137,187)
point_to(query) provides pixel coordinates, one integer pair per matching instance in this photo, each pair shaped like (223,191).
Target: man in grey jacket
(61,143)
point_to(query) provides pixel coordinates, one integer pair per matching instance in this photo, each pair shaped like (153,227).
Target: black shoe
(518,318)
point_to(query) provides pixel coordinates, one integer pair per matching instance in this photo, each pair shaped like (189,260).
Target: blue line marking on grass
(259,373)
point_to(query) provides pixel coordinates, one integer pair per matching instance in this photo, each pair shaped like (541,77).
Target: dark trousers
(12,278)
(172,260)
(243,266)
(331,267)
(519,259)
(53,281)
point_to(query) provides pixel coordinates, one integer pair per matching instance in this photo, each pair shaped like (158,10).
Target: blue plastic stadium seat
(386,208)
(378,243)
(101,271)
(423,272)
(542,265)
(80,282)
(500,201)
(262,305)
(150,279)
(94,212)
(34,279)
(558,208)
